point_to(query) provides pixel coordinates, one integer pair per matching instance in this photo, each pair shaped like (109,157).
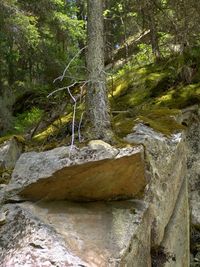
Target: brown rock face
(103,173)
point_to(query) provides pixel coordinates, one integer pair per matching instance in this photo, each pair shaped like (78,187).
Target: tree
(97,103)
(148,10)
(36,41)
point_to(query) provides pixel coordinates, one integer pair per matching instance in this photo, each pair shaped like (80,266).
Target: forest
(99,118)
(151,55)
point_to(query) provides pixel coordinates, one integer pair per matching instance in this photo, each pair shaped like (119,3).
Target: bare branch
(63,88)
(73,98)
(73,118)
(82,86)
(65,70)
(79,127)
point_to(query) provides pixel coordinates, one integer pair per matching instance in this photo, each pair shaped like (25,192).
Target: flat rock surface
(76,234)
(96,172)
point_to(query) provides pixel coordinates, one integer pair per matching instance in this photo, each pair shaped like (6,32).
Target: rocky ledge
(130,205)
(96,172)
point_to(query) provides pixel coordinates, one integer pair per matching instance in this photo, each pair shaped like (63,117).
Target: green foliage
(27,119)
(24,29)
(39,38)
(144,56)
(154,86)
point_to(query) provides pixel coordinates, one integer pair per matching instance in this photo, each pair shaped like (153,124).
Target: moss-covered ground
(153,94)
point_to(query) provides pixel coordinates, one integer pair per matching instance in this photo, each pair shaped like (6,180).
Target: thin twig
(79,127)
(73,118)
(63,88)
(65,70)
(82,86)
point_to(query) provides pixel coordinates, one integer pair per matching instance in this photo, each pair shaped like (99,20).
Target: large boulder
(95,172)
(66,234)
(166,161)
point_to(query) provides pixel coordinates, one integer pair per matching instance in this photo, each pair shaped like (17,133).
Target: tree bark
(148,13)
(97,104)
(151,12)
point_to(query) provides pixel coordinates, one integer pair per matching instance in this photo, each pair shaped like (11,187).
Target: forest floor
(153,94)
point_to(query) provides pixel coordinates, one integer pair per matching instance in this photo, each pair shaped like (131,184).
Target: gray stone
(193,164)
(101,145)
(195,208)
(177,233)
(112,234)
(166,160)
(2,217)
(103,173)
(26,241)
(10,151)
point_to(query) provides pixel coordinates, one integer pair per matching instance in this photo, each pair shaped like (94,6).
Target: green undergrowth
(152,94)
(180,96)
(154,85)
(19,138)
(162,120)
(27,119)
(60,131)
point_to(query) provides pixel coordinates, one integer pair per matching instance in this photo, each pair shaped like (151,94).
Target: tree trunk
(151,12)
(148,13)
(154,39)
(97,104)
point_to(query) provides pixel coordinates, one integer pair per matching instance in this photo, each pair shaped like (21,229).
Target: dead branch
(65,70)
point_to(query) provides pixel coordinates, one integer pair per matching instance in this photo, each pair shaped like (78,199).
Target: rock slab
(95,172)
(65,234)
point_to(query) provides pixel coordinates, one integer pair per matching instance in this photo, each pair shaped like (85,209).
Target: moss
(161,120)
(53,129)
(150,94)
(5,138)
(144,99)
(138,86)
(5,175)
(180,97)
(153,95)
(19,138)
(122,125)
